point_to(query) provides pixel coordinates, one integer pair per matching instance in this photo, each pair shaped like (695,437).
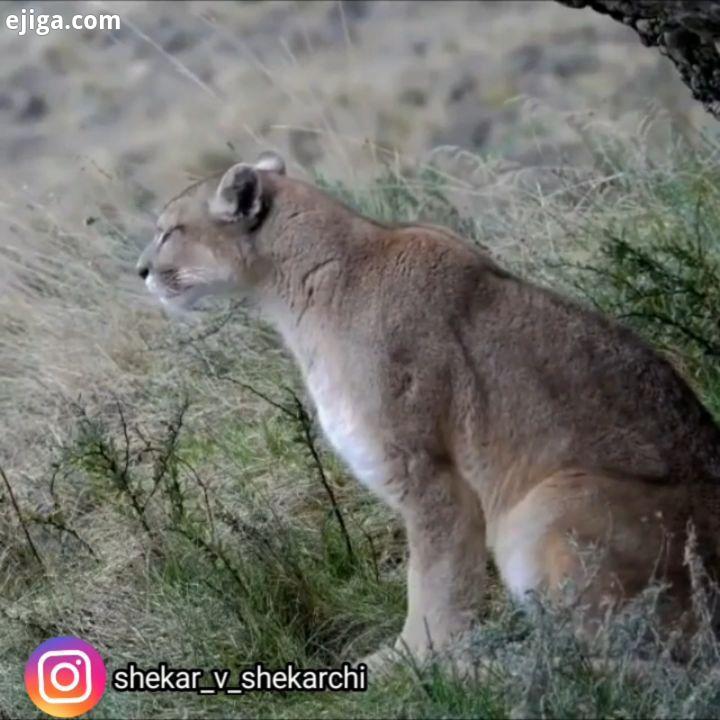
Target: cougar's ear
(238,196)
(271,162)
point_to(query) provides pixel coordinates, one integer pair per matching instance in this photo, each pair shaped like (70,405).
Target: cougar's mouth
(170,291)
(182,290)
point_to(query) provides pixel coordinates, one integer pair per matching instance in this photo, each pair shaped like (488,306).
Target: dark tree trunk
(687,31)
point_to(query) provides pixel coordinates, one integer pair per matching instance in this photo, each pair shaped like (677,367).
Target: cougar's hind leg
(608,537)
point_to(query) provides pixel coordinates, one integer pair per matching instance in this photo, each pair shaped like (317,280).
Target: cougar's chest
(350,421)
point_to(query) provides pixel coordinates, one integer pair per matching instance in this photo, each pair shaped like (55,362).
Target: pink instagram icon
(65,677)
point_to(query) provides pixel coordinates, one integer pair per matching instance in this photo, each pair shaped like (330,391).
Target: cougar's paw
(381,662)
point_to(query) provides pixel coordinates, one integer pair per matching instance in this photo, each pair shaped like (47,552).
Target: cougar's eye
(166,235)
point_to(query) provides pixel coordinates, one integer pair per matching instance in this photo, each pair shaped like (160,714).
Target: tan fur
(488,411)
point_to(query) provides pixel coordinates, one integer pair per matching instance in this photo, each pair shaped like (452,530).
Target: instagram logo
(65,677)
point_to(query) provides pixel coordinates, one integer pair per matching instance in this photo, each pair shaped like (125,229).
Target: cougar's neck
(316,283)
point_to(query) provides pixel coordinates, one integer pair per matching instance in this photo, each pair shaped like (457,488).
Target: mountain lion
(491,413)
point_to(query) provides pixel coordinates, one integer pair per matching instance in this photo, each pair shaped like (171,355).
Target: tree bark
(687,31)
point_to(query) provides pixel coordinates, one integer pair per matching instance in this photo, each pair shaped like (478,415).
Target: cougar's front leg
(446,537)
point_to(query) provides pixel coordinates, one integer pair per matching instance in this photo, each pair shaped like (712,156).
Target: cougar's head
(207,238)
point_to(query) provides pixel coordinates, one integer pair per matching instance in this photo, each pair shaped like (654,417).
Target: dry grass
(164,496)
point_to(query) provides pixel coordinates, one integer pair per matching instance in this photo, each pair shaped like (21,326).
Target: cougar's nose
(143,270)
